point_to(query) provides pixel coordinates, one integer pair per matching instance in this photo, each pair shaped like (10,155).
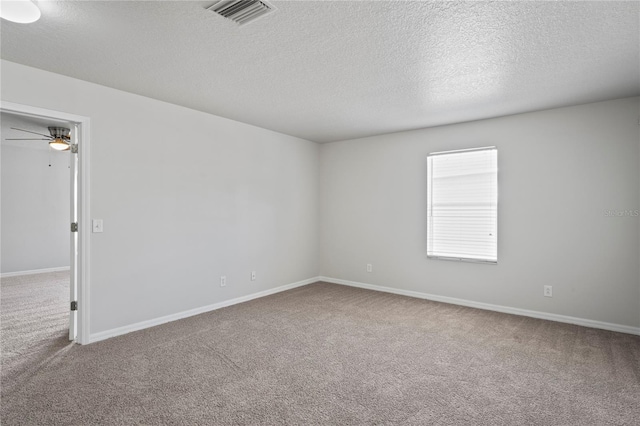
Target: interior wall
(35,209)
(186,197)
(569,192)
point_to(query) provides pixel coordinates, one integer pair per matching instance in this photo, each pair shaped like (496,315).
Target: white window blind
(462,211)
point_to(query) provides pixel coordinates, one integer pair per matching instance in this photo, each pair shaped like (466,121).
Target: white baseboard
(498,308)
(96,337)
(34,271)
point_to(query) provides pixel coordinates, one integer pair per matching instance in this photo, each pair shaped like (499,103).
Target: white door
(73,270)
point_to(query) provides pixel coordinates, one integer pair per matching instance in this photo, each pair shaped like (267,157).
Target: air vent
(242,11)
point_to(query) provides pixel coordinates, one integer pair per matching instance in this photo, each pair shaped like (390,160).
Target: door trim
(84,183)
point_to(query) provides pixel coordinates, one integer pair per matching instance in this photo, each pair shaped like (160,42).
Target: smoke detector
(242,11)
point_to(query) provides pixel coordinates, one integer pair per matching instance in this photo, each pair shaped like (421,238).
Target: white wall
(35,209)
(185,197)
(559,171)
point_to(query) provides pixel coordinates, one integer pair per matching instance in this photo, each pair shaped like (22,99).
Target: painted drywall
(35,209)
(566,178)
(186,197)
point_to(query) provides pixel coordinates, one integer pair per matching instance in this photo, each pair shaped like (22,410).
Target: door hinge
(74,306)
(74,227)
(74,148)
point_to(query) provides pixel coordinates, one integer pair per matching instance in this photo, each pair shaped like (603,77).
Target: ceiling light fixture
(59,144)
(20,11)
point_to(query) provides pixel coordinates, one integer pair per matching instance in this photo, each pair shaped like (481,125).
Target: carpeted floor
(34,318)
(328,354)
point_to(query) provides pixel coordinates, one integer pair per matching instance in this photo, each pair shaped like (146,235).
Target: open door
(79,167)
(73,269)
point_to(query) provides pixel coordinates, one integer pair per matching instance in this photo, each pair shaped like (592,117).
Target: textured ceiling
(327,71)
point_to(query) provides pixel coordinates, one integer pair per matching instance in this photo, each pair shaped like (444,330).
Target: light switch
(96,225)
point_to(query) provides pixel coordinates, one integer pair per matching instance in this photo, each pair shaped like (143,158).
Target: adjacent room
(320,212)
(35,239)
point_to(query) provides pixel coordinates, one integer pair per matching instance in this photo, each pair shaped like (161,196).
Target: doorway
(78,229)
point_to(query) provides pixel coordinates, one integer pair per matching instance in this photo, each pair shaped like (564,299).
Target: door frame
(84,225)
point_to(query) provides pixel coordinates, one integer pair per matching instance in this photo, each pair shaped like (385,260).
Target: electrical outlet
(369,267)
(548,291)
(253,275)
(223,281)
(96,225)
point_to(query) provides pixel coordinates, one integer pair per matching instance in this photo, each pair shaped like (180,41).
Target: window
(462,212)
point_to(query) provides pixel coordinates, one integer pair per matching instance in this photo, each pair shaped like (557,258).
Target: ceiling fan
(59,138)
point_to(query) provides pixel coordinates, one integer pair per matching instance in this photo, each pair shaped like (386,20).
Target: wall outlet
(253,275)
(369,267)
(96,225)
(548,291)
(223,281)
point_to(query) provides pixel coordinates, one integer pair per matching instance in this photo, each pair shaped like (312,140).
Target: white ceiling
(327,71)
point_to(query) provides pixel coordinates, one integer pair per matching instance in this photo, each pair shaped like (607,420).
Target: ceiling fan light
(59,144)
(20,11)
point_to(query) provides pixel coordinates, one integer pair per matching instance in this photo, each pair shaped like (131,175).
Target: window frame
(430,209)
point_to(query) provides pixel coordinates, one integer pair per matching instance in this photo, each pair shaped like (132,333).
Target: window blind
(462,211)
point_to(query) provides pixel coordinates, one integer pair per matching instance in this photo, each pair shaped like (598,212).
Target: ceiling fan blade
(28,131)
(19,139)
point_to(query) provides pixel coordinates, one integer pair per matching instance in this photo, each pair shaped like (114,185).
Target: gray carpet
(328,354)
(34,318)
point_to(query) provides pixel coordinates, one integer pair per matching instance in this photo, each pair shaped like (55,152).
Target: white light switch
(96,225)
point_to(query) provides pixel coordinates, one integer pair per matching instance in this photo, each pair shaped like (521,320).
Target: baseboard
(498,308)
(96,337)
(33,271)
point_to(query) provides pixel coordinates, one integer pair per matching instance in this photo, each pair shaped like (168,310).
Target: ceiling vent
(242,11)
